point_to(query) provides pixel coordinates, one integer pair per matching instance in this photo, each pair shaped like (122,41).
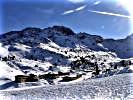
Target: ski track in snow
(119,87)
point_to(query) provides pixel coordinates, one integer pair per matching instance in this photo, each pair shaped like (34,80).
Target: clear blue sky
(19,14)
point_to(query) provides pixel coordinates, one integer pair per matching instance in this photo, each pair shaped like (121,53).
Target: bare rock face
(31,30)
(63,30)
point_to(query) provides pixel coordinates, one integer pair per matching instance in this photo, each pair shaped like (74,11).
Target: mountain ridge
(104,44)
(41,30)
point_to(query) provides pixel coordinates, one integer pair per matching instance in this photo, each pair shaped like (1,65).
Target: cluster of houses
(49,77)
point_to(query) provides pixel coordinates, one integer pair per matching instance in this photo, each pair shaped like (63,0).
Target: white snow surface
(3,51)
(8,72)
(119,87)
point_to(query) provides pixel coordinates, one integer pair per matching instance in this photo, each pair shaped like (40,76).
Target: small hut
(24,78)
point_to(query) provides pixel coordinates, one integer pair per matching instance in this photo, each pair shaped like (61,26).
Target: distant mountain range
(65,37)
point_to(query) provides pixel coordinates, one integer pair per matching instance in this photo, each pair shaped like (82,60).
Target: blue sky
(80,15)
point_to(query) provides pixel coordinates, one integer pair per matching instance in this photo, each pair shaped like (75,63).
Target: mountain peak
(62,29)
(32,30)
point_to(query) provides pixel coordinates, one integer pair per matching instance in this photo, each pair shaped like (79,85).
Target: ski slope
(119,87)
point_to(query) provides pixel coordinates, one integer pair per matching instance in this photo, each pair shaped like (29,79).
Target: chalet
(70,78)
(24,78)
(63,73)
(49,76)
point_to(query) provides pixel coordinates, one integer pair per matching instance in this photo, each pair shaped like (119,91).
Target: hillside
(53,49)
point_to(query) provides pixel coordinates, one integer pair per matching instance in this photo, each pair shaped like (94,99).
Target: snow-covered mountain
(58,48)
